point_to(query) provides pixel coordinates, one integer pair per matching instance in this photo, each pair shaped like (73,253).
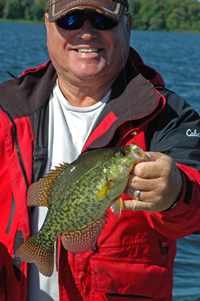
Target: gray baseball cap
(114,9)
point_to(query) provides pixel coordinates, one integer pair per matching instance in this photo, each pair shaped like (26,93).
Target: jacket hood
(149,73)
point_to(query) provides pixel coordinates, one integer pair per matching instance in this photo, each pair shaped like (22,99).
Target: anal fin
(83,240)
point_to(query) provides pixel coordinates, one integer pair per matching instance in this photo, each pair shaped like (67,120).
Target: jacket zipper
(16,142)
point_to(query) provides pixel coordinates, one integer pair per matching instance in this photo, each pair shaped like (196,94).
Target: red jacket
(135,254)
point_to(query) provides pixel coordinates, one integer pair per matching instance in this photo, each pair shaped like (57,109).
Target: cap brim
(57,10)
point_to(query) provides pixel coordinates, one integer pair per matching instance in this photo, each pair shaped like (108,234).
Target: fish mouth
(137,153)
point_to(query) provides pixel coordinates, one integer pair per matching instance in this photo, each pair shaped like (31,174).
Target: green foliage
(23,9)
(183,15)
(2,5)
(170,15)
(38,9)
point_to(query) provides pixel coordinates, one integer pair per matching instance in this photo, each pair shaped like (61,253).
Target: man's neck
(83,95)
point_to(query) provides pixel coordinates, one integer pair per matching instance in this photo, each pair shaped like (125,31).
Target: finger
(137,194)
(148,170)
(153,169)
(135,205)
(137,183)
(154,156)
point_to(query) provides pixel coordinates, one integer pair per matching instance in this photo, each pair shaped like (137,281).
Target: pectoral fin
(117,206)
(104,190)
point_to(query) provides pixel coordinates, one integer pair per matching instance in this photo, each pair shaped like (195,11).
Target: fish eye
(122,153)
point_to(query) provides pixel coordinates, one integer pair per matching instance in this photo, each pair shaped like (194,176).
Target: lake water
(176,56)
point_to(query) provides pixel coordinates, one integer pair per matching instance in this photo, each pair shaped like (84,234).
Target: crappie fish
(77,196)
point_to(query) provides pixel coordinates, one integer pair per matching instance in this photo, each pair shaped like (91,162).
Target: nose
(87,32)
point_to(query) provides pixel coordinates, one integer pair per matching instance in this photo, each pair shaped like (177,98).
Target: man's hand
(159,181)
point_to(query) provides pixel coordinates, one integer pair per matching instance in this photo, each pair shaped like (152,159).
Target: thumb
(153,156)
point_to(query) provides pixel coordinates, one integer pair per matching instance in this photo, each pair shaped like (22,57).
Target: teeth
(87,50)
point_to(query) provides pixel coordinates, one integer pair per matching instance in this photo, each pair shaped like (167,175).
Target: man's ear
(129,22)
(46,20)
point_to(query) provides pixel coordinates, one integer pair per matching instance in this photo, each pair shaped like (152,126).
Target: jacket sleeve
(176,132)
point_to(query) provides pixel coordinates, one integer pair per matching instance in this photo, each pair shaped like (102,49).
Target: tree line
(167,15)
(23,9)
(170,15)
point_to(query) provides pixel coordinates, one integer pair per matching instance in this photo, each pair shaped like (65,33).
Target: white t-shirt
(69,129)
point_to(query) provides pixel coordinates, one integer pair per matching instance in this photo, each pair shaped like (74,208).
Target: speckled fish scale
(77,196)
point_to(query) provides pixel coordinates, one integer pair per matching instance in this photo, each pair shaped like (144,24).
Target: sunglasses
(76,20)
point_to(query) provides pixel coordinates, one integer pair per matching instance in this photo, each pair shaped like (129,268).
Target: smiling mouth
(88,50)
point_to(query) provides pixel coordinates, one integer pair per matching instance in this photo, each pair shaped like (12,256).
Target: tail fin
(33,252)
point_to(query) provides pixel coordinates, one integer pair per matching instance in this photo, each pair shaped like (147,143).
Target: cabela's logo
(191,133)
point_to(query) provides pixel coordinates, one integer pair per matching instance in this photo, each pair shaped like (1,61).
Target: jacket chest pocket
(127,280)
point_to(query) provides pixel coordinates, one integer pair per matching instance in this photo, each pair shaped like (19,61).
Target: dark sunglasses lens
(71,22)
(76,20)
(101,22)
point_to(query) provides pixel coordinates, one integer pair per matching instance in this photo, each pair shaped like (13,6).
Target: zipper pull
(39,158)
(134,133)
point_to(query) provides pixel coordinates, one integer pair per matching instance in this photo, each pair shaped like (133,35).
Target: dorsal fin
(38,192)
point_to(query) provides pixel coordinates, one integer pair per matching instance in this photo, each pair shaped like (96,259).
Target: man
(96,92)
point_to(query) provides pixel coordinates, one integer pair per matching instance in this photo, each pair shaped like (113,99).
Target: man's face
(86,54)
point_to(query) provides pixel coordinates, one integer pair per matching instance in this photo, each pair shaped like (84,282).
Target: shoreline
(22,21)
(37,22)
